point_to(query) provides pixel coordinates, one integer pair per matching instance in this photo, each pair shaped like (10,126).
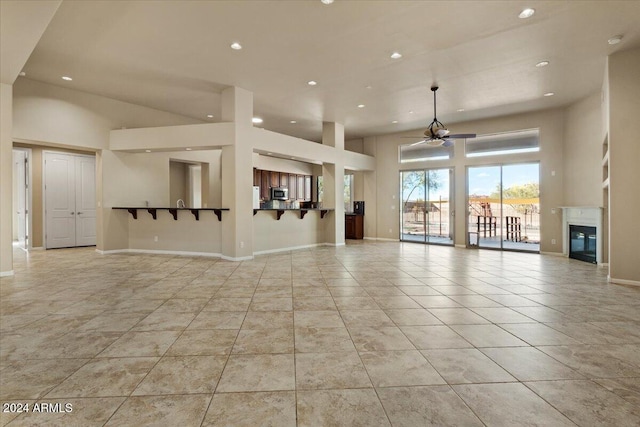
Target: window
(348,193)
(525,141)
(320,189)
(423,152)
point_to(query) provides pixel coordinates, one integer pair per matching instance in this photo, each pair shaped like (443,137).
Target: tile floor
(368,334)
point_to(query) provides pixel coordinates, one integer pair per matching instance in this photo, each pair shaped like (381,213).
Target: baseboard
(6,273)
(38,248)
(292,248)
(160,252)
(236,259)
(553,254)
(382,239)
(461,246)
(623,281)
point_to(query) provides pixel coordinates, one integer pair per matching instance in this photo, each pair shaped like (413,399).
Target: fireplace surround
(585,221)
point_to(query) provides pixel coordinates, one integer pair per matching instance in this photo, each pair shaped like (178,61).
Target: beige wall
(289,232)
(177,182)
(281,165)
(551,125)
(56,115)
(6,179)
(182,235)
(624,166)
(582,153)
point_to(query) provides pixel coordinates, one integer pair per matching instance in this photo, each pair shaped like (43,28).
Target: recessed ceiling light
(22,74)
(411,112)
(368,87)
(312,82)
(257,120)
(147,151)
(268,154)
(293,122)
(542,64)
(549,94)
(360,105)
(526,13)
(615,40)
(188,149)
(67,78)
(394,122)
(292,158)
(210,116)
(460,110)
(326,1)
(396,55)
(236,46)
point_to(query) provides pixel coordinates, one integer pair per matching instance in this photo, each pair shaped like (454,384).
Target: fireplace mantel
(589,216)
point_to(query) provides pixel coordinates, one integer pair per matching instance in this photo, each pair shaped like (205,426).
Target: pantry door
(85,171)
(70,212)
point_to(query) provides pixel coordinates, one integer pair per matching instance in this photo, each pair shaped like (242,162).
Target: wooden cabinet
(274,179)
(299,185)
(353,226)
(264,185)
(293,194)
(307,187)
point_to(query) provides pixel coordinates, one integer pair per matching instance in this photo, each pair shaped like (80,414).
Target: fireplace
(582,233)
(582,243)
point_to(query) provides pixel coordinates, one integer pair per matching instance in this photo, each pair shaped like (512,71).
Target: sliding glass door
(504,207)
(425,212)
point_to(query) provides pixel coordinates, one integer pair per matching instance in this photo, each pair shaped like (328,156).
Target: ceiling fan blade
(461,135)
(447,143)
(442,132)
(418,143)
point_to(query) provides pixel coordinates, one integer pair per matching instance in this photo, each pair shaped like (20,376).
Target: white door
(69,200)
(85,201)
(20,196)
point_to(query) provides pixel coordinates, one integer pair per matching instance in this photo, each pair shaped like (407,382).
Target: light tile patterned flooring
(368,334)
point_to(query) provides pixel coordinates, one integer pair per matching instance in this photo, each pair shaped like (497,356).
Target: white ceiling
(175,56)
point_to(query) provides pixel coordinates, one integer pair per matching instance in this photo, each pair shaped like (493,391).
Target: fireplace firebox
(582,243)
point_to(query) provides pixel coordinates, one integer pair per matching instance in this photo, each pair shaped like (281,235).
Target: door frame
(29,195)
(467,213)
(451,170)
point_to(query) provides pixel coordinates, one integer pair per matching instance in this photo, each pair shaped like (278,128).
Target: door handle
(72,213)
(79,213)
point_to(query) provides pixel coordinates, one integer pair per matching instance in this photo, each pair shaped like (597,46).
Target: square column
(237,176)
(333,178)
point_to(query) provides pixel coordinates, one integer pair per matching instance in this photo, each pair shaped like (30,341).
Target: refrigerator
(256,197)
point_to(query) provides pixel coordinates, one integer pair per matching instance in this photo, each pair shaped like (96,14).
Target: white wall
(269,163)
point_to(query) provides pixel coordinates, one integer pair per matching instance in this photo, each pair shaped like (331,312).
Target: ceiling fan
(437,134)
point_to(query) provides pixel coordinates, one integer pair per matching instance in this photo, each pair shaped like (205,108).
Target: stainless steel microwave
(278,193)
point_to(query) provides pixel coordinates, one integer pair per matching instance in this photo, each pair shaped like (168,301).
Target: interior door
(20,195)
(60,200)
(85,201)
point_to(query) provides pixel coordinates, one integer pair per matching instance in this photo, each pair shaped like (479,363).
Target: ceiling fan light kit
(437,133)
